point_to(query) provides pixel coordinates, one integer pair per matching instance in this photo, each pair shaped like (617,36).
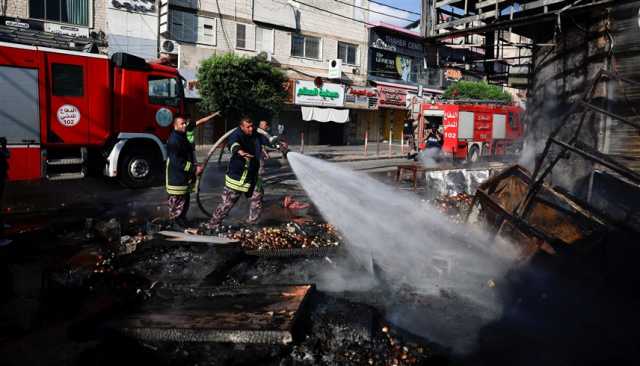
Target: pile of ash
(287,236)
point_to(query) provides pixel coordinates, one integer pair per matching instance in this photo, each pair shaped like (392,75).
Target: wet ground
(62,284)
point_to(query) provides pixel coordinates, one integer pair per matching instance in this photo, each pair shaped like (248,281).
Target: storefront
(317,113)
(363,103)
(393,110)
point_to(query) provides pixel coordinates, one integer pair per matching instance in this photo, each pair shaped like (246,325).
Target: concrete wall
(134,32)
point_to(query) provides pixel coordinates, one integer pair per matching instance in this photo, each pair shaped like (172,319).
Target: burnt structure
(570,43)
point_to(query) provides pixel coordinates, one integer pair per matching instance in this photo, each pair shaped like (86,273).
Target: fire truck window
(512,121)
(68,80)
(163,91)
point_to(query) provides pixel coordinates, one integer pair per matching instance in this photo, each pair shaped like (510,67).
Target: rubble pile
(288,236)
(455,207)
(347,333)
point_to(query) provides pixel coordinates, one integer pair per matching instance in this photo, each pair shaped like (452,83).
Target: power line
(336,14)
(373,11)
(393,7)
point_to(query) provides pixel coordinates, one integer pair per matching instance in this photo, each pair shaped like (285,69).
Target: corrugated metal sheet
(624,140)
(605,38)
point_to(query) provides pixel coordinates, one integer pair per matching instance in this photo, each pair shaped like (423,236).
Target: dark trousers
(178,206)
(229,199)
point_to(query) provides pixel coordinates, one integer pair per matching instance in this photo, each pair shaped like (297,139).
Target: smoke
(428,157)
(411,245)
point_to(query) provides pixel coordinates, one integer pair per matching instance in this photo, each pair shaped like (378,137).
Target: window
(348,53)
(207,31)
(241,36)
(264,40)
(65,11)
(67,80)
(164,90)
(190,28)
(305,46)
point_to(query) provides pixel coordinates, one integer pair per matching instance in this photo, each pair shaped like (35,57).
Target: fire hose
(272,139)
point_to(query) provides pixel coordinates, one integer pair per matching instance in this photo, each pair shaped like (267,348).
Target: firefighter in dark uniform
(242,177)
(181,173)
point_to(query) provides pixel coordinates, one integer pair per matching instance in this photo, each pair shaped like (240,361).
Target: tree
(238,86)
(476,90)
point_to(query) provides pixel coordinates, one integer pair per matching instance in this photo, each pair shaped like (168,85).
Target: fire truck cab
(66,114)
(473,129)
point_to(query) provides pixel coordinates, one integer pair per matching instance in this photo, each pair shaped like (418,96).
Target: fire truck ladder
(65,164)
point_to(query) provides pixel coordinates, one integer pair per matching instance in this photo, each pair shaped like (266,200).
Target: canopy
(325,114)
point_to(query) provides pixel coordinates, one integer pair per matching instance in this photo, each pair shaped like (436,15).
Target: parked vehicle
(67,113)
(473,129)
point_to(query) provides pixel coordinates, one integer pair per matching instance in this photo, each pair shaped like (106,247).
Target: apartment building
(300,37)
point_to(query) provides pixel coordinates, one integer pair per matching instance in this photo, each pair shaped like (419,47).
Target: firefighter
(242,175)
(181,173)
(264,125)
(434,138)
(4,169)
(407,131)
(191,126)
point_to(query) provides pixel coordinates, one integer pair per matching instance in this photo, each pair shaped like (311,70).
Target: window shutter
(251,37)
(207,31)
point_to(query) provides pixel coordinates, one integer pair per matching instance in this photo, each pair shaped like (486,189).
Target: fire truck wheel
(138,168)
(474,154)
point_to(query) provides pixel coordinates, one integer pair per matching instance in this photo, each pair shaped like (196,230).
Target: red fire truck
(66,114)
(473,129)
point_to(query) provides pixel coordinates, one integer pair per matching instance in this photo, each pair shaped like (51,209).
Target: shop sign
(22,23)
(329,94)
(384,40)
(135,6)
(289,87)
(67,30)
(392,97)
(361,98)
(453,74)
(391,65)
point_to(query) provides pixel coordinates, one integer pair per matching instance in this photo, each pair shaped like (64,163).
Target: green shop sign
(315,92)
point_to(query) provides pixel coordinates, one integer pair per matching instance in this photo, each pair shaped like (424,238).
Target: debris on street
(288,236)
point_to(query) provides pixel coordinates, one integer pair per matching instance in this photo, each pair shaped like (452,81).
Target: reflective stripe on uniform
(233,146)
(177,190)
(187,166)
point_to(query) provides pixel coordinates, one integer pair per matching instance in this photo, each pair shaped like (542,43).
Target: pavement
(33,203)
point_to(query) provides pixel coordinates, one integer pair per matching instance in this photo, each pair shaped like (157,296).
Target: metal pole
(378,140)
(301,142)
(402,143)
(390,140)
(366,140)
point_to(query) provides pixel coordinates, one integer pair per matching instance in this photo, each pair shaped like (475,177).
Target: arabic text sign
(306,93)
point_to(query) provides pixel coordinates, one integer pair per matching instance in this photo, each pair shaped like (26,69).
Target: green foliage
(238,86)
(476,90)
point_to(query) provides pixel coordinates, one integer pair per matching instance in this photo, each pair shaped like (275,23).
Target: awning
(325,114)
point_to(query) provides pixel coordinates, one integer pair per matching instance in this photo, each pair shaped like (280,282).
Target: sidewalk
(326,152)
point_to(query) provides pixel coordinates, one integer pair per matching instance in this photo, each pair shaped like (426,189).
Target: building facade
(301,39)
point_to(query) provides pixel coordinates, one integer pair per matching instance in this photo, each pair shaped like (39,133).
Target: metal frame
(576,146)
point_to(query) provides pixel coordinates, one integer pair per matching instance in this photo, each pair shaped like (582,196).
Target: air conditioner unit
(335,69)
(169,46)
